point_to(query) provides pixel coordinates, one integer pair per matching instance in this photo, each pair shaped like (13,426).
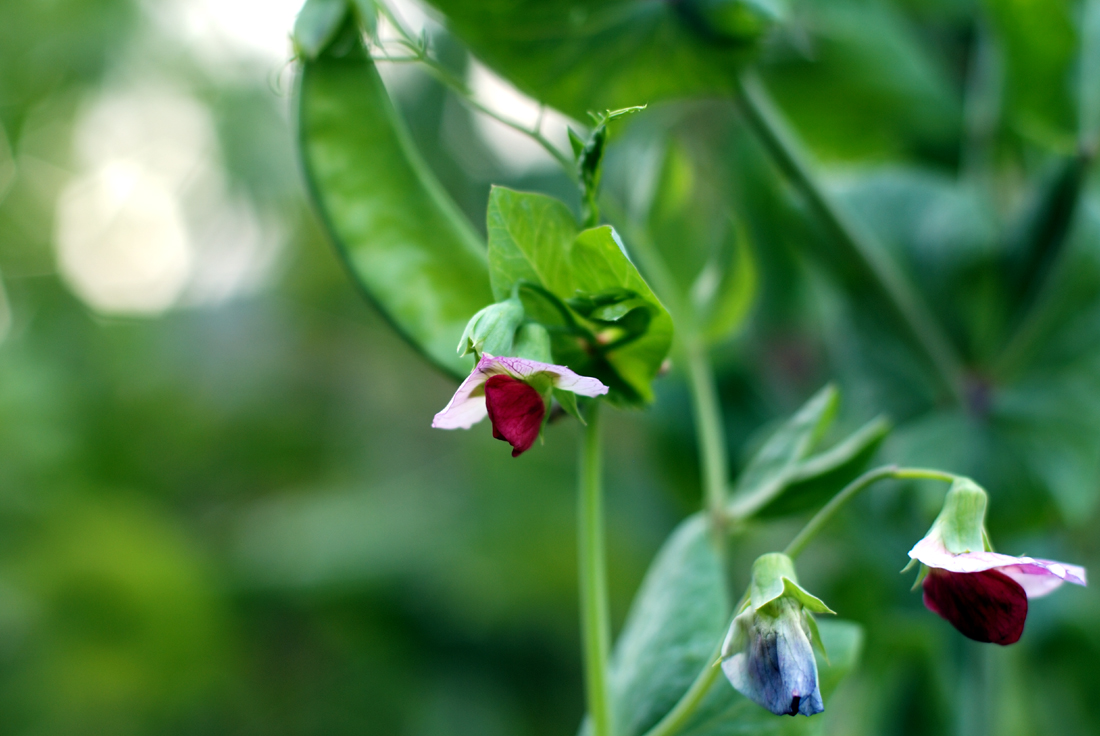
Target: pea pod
(401,236)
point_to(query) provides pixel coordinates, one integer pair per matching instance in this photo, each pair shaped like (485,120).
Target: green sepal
(568,402)
(961,523)
(921,574)
(773,577)
(809,601)
(815,635)
(316,26)
(493,329)
(576,142)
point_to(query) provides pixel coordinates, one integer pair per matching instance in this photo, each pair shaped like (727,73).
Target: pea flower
(767,654)
(981,593)
(514,393)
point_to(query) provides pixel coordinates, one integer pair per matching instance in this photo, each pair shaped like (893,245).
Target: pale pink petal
(467,406)
(1036,577)
(931,552)
(1040,577)
(563,378)
(464,409)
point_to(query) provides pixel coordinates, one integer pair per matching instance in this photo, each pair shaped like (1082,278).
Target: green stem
(858,248)
(675,719)
(595,625)
(829,510)
(710,434)
(691,350)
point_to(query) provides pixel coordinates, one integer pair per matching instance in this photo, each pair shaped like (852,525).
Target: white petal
(464,409)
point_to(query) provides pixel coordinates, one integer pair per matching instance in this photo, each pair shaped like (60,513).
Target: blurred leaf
(606,54)
(533,239)
(403,239)
(724,291)
(1038,42)
(945,235)
(1037,240)
(863,84)
(725,712)
(819,477)
(1089,75)
(317,24)
(777,462)
(675,625)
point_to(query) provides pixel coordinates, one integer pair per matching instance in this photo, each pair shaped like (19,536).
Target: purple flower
(514,393)
(984,594)
(767,655)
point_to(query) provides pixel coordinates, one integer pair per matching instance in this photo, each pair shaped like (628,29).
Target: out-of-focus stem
(710,434)
(595,621)
(923,330)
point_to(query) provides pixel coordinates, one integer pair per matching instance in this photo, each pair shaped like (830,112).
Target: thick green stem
(595,621)
(675,719)
(859,251)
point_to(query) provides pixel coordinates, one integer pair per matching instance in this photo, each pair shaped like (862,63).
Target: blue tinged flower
(767,655)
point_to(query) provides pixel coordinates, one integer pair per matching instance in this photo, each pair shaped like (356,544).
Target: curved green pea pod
(403,239)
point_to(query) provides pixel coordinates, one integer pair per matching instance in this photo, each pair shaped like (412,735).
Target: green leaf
(723,293)
(581,55)
(674,626)
(873,87)
(1088,113)
(1037,239)
(1038,40)
(819,477)
(368,16)
(316,26)
(725,712)
(776,463)
(533,239)
(403,239)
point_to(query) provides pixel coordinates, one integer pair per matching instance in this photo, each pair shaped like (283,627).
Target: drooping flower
(767,655)
(514,393)
(981,593)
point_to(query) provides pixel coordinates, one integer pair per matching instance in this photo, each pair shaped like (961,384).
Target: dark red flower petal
(984,606)
(516,411)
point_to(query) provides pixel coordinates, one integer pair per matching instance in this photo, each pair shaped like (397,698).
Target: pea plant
(558,315)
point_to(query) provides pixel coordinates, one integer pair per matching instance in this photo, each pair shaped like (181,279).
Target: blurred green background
(222,509)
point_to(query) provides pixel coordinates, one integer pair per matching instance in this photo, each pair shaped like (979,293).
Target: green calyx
(775,600)
(961,523)
(493,329)
(773,577)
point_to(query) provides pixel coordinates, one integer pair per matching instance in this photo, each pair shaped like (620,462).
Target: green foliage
(676,622)
(587,287)
(317,25)
(604,54)
(727,712)
(402,237)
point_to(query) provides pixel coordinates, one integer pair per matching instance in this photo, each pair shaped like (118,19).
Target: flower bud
(493,329)
(767,655)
